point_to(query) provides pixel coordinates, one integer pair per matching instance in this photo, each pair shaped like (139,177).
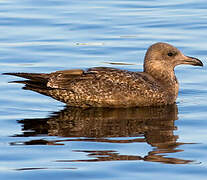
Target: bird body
(109,87)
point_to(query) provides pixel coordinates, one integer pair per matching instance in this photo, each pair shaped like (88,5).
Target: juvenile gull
(109,87)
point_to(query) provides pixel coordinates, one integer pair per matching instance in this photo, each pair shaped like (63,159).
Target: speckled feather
(110,87)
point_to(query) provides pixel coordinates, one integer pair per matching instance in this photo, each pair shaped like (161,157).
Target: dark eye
(170,54)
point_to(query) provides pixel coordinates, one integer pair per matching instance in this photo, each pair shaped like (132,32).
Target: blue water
(41,138)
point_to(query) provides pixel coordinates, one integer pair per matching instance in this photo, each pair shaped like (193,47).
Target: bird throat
(167,80)
(165,76)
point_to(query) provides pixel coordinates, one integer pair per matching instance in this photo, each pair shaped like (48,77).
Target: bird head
(167,56)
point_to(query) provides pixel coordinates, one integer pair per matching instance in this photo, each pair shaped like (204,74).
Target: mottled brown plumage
(110,87)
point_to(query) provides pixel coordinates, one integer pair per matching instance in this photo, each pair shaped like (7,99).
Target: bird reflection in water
(153,125)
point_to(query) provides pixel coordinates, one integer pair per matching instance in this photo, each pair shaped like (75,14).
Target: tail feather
(32,76)
(33,84)
(39,87)
(36,82)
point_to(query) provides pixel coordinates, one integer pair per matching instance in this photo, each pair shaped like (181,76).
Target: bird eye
(170,54)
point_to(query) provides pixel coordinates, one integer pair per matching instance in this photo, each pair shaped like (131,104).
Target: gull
(157,85)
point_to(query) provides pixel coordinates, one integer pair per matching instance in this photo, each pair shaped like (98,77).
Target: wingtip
(8,73)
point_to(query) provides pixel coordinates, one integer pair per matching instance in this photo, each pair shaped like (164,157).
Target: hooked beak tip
(193,61)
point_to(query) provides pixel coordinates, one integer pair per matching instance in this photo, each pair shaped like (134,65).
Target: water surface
(40,137)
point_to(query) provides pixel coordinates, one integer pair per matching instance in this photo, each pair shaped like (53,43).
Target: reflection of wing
(152,125)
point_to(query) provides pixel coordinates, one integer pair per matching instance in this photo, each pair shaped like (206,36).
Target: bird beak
(192,61)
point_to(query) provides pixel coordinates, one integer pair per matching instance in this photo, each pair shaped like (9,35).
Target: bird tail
(36,82)
(31,76)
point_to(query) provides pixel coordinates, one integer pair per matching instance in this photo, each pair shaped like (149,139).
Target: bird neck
(165,76)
